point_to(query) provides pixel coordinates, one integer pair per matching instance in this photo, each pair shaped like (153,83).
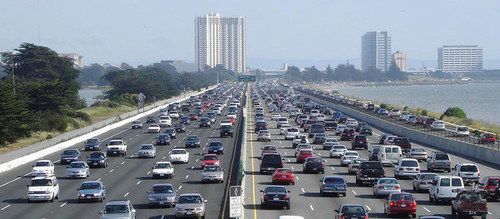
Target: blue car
(332,185)
(93,144)
(216,147)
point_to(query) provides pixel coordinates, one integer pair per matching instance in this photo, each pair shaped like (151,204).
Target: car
(122,209)
(43,168)
(347,134)
(418,153)
(462,131)
(315,129)
(215,147)
(351,211)
(192,141)
(340,128)
(190,205)
(270,162)
(281,121)
(404,143)
(445,188)
(373,155)
(291,133)
(337,151)
(154,128)
(97,159)
(347,157)
(150,119)
(226,131)
(383,111)
(487,138)
(204,122)
(77,169)
(439,161)
(136,125)
(146,151)
(313,165)
(329,143)
(389,155)
(91,191)
(186,120)
(165,121)
(401,203)
(93,144)
(469,203)
(330,125)
(172,132)
(209,159)
(259,125)
(283,176)
(369,171)
(301,147)
(275,116)
(283,128)
(489,184)
(468,171)
(351,123)
(163,139)
(162,194)
(387,139)
(162,169)
(173,114)
(300,139)
(304,154)
(116,147)
(43,188)
(423,181)
(319,138)
(264,135)
(406,167)
(269,149)
(275,196)
(353,166)
(394,113)
(385,186)
(359,141)
(332,185)
(438,126)
(212,173)
(69,155)
(177,155)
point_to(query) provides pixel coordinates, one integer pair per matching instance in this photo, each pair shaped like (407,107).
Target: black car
(163,139)
(69,155)
(185,120)
(192,141)
(351,211)
(97,159)
(93,144)
(314,165)
(347,134)
(404,143)
(275,196)
(151,119)
(374,155)
(359,141)
(180,128)
(171,131)
(270,162)
(204,122)
(216,147)
(260,126)
(330,125)
(226,130)
(185,108)
(369,171)
(342,119)
(366,130)
(360,124)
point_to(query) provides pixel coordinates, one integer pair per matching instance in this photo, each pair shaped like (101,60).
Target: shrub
(454,112)
(425,112)
(83,116)
(383,105)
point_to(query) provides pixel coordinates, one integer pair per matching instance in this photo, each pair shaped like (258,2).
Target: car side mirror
(27,185)
(101,212)
(148,192)
(133,211)
(337,211)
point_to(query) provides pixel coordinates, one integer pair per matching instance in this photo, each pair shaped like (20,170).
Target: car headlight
(31,192)
(198,209)
(81,194)
(151,198)
(101,161)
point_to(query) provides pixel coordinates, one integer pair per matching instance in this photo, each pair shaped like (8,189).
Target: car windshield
(275,190)
(190,199)
(226,127)
(162,137)
(388,181)
(163,165)
(462,129)
(70,152)
(287,171)
(178,152)
(77,165)
(339,147)
(146,147)
(210,157)
(92,185)
(162,189)
(441,156)
(303,152)
(115,142)
(215,144)
(445,182)
(192,138)
(334,180)
(292,130)
(92,141)
(351,154)
(468,168)
(170,130)
(402,197)
(42,164)
(493,182)
(116,209)
(315,160)
(96,155)
(212,169)
(41,182)
(409,163)
(353,210)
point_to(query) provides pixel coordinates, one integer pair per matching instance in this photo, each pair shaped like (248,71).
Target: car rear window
(272,158)
(493,182)
(402,197)
(409,163)
(442,157)
(334,180)
(468,168)
(395,150)
(371,165)
(445,182)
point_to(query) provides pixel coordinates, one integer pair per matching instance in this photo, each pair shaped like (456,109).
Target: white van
(445,188)
(390,154)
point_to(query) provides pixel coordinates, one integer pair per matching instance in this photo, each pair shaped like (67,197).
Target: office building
(220,41)
(376,51)
(460,59)
(400,59)
(76,59)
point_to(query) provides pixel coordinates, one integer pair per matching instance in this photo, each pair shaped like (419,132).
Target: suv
(43,189)
(445,188)
(347,134)
(359,141)
(404,143)
(116,146)
(226,130)
(270,162)
(369,171)
(468,171)
(469,203)
(439,161)
(407,167)
(189,205)
(118,209)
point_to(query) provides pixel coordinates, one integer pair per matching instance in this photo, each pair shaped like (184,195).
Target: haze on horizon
(142,32)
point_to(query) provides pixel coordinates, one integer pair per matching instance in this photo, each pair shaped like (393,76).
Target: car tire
(263,206)
(413,215)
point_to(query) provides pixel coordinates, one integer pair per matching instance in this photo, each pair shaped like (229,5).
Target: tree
(14,116)
(395,73)
(293,74)
(454,112)
(92,75)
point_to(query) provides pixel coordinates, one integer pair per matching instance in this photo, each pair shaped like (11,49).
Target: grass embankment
(96,113)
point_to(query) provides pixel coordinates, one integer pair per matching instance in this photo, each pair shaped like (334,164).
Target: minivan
(445,188)
(390,154)
(270,162)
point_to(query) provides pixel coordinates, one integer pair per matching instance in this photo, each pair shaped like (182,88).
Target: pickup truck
(469,203)
(116,147)
(369,171)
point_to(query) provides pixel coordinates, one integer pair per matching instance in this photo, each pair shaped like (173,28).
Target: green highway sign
(246,78)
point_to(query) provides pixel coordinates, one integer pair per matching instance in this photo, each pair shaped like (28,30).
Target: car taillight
(478,173)
(342,217)
(266,197)
(366,217)
(392,204)
(397,187)
(414,203)
(287,197)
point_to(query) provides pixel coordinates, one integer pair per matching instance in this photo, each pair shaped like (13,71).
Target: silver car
(386,186)
(212,173)
(418,153)
(269,149)
(147,151)
(337,150)
(118,210)
(423,181)
(264,135)
(78,169)
(190,205)
(91,191)
(354,165)
(162,195)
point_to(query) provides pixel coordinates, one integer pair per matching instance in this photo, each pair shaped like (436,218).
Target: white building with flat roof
(460,59)
(376,51)
(220,41)
(400,59)
(75,58)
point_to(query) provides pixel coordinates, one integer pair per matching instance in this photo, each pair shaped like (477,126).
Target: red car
(486,138)
(209,159)
(401,203)
(283,176)
(232,120)
(490,184)
(303,154)
(193,117)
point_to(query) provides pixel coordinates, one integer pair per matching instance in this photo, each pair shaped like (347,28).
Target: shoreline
(404,83)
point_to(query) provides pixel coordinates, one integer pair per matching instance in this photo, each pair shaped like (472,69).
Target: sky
(147,31)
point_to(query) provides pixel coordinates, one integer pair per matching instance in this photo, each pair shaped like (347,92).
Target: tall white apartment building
(400,59)
(76,59)
(220,41)
(376,51)
(460,59)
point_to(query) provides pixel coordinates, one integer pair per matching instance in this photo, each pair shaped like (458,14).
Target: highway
(305,198)
(126,178)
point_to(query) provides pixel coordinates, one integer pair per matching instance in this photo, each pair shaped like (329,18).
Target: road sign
(235,201)
(246,78)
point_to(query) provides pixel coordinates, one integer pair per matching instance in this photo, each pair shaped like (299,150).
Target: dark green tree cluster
(456,112)
(92,75)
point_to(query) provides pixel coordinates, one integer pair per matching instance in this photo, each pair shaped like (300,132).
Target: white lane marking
(319,154)
(10,205)
(310,206)
(63,204)
(280,142)
(192,167)
(187,176)
(111,170)
(426,209)
(297,178)
(130,139)
(282,146)
(126,194)
(203,148)
(292,168)
(180,187)
(149,172)
(288,160)
(164,157)
(354,192)
(489,212)
(9,182)
(196,160)
(99,179)
(139,182)
(376,134)
(117,166)
(285,152)
(132,156)
(122,162)
(163,216)
(326,161)
(333,168)
(303,191)
(368,207)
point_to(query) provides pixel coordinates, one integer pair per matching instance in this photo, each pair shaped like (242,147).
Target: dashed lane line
(426,209)
(187,176)
(63,204)
(354,192)
(303,191)
(310,206)
(139,182)
(368,207)
(111,170)
(126,194)
(10,205)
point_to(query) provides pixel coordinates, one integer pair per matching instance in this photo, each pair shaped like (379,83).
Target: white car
(165,121)
(314,113)
(43,189)
(468,171)
(291,133)
(302,147)
(340,129)
(284,127)
(78,169)
(174,114)
(43,168)
(163,169)
(300,139)
(462,131)
(337,150)
(275,116)
(445,188)
(329,143)
(154,128)
(438,126)
(351,123)
(346,158)
(407,167)
(179,156)
(281,121)
(395,113)
(232,115)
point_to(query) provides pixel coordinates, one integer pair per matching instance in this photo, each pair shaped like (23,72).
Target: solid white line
(354,192)
(9,182)
(426,209)
(368,207)
(126,194)
(139,182)
(10,205)
(63,204)
(303,191)
(132,156)
(310,206)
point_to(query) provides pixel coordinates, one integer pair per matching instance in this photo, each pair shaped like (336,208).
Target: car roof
(162,184)
(43,177)
(43,161)
(118,202)
(191,194)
